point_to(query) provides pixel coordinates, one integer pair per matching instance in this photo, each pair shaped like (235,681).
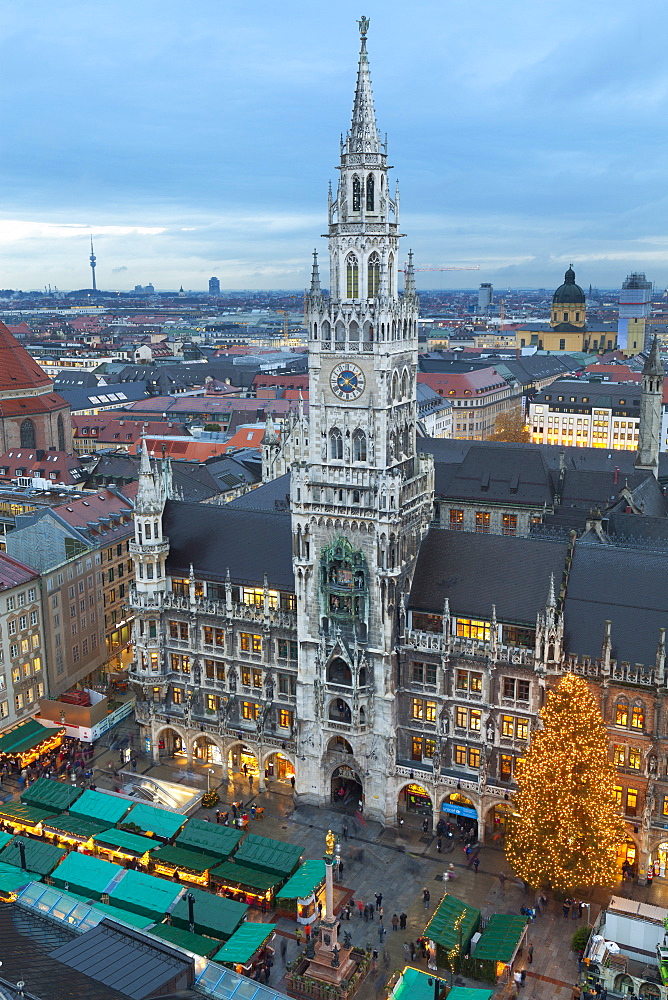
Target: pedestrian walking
(395,922)
(217,815)
(307,931)
(340,869)
(580,908)
(381,911)
(411,948)
(379,900)
(381,933)
(566,908)
(292,781)
(530,954)
(523,977)
(366,914)
(235,811)
(345,831)
(476,864)
(439,845)
(360,907)
(407,952)
(425,825)
(426,896)
(575,909)
(371,911)
(298,935)
(283,949)
(403,917)
(320,909)
(250,782)
(502,880)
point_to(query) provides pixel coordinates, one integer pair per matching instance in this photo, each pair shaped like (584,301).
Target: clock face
(347,381)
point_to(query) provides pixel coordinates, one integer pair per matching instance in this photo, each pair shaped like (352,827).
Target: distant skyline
(198,140)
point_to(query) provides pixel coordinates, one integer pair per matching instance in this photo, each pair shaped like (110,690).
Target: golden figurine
(330,840)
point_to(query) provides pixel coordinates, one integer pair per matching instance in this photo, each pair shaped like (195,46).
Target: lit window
(474,757)
(634,758)
(621,714)
(417,708)
(285,718)
(460,756)
(637,717)
(482,521)
(619,755)
(506,767)
(456,520)
(507,726)
(522,729)
(430,711)
(461,718)
(472,628)
(509,522)
(631,801)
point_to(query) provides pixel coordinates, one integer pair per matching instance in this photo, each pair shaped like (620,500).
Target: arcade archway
(415,800)
(339,711)
(170,743)
(460,811)
(497,823)
(242,759)
(347,791)
(205,751)
(337,744)
(278,767)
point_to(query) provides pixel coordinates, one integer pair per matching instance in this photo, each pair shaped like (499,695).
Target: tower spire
(315,276)
(409,276)
(93,263)
(363,136)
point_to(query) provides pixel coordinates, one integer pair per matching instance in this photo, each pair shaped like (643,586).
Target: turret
(150,548)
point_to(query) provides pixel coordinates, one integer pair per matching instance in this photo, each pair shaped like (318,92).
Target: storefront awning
(244,943)
(501,938)
(304,882)
(233,874)
(25,737)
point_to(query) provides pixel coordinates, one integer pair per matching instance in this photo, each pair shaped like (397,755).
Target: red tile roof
(23,406)
(17,369)
(475,383)
(54,465)
(13,573)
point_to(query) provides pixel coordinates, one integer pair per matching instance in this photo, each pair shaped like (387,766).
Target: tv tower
(93,263)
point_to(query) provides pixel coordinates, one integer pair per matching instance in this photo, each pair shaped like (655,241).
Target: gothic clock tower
(361,497)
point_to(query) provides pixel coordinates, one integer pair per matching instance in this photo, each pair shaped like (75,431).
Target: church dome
(569,291)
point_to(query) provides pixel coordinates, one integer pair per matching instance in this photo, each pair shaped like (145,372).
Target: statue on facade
(269,686)
(445,722)
(330,842)
(363,25)
(197,672)
(648,807)
(490,731)
(233,679)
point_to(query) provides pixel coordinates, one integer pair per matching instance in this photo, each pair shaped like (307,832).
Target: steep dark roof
(626,586)
(517,475)
(250,543)
(475,571)
(270,497)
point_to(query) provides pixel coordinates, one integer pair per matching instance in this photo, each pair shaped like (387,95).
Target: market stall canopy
(25,737)
(155,822)
(75,827)
(105,910)
(5,838)
(416,985)
(441,928)
(214,915)
(305,881)
(230,873)
(13,879)
(129,843)
(89,877)
(209,838)
(100,807)
(184,939)
(40,857)
(267,855)
(19,812)
(178,857)
(468,993)
(144,894)
(501,938)
(244,943)
(50,794)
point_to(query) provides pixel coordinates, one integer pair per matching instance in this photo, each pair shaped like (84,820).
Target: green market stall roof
(441,928)
(74,826)
(131,843)
(13,879)
(89,877)
(125,916)
(184,939)
(413,984)
(19,812)
(40,857)
(145,894)
(100,807)
(153,821)
(267,855)
(230,873)
(468,993)
(25,737)
(179,857)
(5,838)
(244,943)
(305,881)
(49,794)
(209,838)
(501,938)
(214,915)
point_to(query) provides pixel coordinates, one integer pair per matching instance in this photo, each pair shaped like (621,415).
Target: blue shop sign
(457,810)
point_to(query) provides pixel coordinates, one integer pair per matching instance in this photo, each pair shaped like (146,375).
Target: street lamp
(209,772)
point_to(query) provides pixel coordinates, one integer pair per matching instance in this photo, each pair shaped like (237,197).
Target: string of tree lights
(566,828)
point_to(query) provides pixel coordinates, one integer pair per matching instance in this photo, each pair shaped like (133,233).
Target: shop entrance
(627,859)
(206,752)
(170,744)
(242,758)
(460,811)
(415,799)
(278,767)
(347,791)
(498,821)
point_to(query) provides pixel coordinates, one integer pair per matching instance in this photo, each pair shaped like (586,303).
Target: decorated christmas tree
(566,827)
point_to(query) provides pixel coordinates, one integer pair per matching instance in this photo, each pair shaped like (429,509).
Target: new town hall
(382,617)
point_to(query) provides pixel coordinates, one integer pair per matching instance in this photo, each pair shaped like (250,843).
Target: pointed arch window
(352,277)
(369,193)
(359,446)
(356,194)
(373,276)
(335,444)
(28,434)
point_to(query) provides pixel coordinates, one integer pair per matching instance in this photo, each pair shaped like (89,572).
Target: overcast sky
(197,139)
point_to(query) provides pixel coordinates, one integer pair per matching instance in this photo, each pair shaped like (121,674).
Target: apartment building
(22,667)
